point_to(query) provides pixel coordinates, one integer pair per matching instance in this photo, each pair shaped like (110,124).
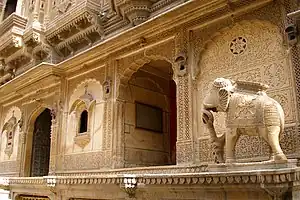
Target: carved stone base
(236,167)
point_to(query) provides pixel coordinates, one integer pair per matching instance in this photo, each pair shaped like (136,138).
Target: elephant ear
(224,96)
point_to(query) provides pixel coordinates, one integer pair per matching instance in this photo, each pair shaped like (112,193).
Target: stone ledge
(252,166)
(184,175)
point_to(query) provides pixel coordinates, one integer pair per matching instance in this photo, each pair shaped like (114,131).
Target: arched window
(83,122)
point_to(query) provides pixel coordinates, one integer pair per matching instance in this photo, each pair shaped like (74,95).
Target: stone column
(118,135)
(21,147)
(47,16)
(113,139)
(19,8)
(185,146)
(2,7)
(36,12)
(184,120)
(55,113)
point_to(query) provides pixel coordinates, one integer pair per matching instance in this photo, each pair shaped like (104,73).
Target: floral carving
(275,75)
(238,45)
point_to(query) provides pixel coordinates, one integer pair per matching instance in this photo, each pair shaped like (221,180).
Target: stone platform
(252,166)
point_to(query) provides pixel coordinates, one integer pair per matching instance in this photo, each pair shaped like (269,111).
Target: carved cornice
(32,37)
(46,72)
(263,178)
(15,22)
(136,11)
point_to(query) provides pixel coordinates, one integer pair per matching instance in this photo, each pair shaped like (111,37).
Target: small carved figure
(249,111)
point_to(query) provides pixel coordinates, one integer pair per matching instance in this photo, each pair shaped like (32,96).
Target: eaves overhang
(41,72)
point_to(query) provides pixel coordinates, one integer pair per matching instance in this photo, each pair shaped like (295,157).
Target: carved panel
(8,167)
(205,151)
(185,152)
(248,147)
(145,157)
(90,160)
(288,140)
(247,52)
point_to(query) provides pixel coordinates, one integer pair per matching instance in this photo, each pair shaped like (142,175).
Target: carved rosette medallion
(238,45)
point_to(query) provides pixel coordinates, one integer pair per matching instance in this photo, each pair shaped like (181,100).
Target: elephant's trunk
(218,142)
(208,120)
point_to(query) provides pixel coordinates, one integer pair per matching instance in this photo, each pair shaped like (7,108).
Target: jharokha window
(83,122)
(82,110)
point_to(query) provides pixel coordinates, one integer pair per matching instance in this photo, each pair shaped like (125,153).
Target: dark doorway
(41,145)
(10,8)
(173,121)
(152,99)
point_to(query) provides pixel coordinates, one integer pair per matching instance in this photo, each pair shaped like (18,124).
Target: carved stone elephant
(249,111)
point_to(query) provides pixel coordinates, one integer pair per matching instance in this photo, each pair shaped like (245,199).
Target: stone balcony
(273,179)
(12,52)
(79,27)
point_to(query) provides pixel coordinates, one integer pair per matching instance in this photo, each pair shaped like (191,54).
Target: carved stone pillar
(184,120)
(2,7)
(47,16)
(185,146)
(36,12)
(21,147)
(53,146)
(118,135)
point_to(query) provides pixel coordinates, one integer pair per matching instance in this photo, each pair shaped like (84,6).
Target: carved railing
(270,180)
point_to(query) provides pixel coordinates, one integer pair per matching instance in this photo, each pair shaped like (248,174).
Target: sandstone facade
(103,98)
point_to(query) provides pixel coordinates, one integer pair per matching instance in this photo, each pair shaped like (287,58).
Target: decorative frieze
(204,179)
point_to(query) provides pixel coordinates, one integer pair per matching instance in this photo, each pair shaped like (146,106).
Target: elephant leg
(231,139)
(264,133)
(273,140)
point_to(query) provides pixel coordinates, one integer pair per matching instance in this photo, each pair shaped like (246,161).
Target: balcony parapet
(274,181)
(11,45)
(11,32)
(80,26)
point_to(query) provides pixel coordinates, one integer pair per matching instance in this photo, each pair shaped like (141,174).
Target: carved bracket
(130,185)
(181,64)
(276,191)
(107,89)
(82,140)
